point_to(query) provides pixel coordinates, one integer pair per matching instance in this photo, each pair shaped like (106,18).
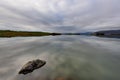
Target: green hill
(9,33)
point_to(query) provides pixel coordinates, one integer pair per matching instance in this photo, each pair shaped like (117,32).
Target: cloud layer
(59,15)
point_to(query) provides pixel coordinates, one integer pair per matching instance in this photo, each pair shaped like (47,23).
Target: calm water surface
(68,58)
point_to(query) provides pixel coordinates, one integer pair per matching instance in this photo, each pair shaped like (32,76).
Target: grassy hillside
(8,33)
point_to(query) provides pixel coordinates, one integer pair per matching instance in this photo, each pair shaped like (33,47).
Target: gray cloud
(47,15)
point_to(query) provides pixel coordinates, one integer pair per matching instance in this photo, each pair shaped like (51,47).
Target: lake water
(67,57)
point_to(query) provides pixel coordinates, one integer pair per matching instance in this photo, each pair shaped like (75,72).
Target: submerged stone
(31,66)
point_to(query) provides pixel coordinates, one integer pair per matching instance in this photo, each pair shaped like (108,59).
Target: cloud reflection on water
(68,58)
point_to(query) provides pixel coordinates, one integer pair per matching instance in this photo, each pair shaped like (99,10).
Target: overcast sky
(60,15)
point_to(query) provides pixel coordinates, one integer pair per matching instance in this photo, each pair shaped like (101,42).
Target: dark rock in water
(31,66)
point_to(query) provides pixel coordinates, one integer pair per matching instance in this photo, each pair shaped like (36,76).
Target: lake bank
(8,33)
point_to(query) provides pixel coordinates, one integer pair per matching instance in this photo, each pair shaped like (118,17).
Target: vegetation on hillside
(9,33)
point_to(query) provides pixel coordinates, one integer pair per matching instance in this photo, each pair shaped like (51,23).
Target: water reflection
(68,58)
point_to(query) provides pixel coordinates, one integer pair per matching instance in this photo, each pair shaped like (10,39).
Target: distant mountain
(84,33)
(108,33)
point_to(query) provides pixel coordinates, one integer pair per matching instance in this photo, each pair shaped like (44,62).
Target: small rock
(31,66)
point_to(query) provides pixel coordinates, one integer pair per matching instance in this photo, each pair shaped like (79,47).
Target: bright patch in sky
(59,15)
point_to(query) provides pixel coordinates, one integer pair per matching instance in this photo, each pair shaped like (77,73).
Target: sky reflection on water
(68,58)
